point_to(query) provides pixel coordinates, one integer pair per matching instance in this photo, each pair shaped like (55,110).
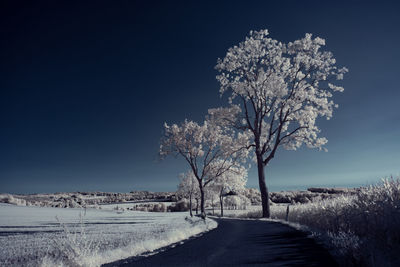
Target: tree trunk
(212,203)
(197,206)
(221,203)
(203,211)
(287,212)
(190,205)
(263,188)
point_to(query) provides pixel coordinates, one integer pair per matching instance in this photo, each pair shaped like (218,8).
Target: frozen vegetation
(234,198)
(358,225)
(85,199)
(42,236)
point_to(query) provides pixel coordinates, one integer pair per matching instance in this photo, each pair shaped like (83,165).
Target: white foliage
(238,202)
(188,186)
(233,180)
(278,90)
(211,149)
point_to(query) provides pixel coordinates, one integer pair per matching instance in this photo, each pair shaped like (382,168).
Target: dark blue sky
(86,87)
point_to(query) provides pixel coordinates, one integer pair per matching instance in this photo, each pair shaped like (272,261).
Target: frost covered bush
(73,246)
(311,195)
(160,207)
(346,245)
(7,198)
(364,227)
(329,190)
(151,207)
(253,214)
(253,195)
(181,205)
(236,202)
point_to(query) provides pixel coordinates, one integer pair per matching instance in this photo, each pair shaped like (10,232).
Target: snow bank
(31,236)
(181,230)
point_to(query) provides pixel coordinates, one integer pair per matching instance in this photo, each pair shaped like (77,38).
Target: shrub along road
(239,243)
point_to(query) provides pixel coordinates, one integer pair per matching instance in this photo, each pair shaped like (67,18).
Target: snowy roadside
(31,236)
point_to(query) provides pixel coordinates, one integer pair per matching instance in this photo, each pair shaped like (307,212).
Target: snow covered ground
(32,236)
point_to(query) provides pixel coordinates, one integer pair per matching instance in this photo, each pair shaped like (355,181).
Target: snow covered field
(32,236)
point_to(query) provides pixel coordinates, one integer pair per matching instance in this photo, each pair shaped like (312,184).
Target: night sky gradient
(85,88)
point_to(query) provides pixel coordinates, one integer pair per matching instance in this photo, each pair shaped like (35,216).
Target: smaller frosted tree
(201,145)
(233,180)
(211,195)
(188,188)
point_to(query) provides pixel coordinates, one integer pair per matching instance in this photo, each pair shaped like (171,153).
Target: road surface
(241,243)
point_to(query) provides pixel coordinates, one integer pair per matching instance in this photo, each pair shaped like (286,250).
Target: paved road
(240,243)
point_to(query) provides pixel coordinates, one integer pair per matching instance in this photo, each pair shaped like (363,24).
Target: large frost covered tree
(276,93)
(202,145)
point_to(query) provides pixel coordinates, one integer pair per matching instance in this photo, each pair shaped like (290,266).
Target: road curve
(241,243)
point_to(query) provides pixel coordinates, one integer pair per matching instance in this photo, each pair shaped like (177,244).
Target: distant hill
(96,199)
(83,199)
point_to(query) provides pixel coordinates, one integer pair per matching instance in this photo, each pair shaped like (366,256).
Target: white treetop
(279,89)
(188,186)
(202,145)
(233,180)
